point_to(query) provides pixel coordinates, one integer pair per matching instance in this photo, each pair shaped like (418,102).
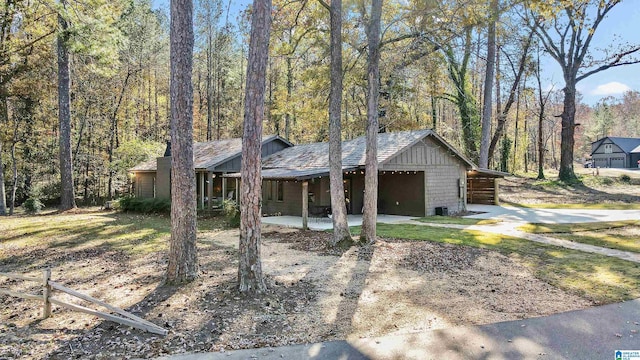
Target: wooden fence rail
(123,317)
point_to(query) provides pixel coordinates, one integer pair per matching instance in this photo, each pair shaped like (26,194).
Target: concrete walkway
(594,333)
(510,229)
(325,223)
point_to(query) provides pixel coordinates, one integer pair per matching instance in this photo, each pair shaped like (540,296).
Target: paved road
(594,333)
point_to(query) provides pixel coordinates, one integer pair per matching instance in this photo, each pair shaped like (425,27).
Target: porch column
(496,191)
(202,190)
(305,205)
(210,189)
(224,188)
(237,197)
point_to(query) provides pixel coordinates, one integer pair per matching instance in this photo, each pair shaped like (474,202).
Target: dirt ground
(393,287)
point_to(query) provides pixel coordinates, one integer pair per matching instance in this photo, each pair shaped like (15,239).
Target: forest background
(433,67)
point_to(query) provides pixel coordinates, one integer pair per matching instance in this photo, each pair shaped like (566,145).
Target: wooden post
(305,205)
(224,188)
(237,198)
(202,179)
(46,293)
(496,191)
(210,189)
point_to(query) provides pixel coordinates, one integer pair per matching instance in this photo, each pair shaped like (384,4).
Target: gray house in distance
(418,172)
(211,160)
(615,152)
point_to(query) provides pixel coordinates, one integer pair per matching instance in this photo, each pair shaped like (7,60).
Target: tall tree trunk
(14,167)
(502,115)
(287,116)
(113,136)
(566,173)
(341,234)
(183,257)
(369,216)
(487,106)
(4,113)
(250,277)
(209,80)
(67,193)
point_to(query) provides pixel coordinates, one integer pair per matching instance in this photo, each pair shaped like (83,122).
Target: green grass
(592,276)
(620,235)
(537,228)
(456,220)
(132,233)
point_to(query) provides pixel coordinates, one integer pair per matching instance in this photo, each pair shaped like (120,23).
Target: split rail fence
(121,316)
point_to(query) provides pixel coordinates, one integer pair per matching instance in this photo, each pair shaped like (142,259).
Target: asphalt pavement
(594,333)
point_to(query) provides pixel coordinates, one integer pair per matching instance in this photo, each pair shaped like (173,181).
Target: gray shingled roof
(149,165)
(209,154)
(628,145)
(314,158)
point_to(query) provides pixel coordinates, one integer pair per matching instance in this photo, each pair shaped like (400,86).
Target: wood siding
(145,184)
(163,178)
(291,203)
(443,174)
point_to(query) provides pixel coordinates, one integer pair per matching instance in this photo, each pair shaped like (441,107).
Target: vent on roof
(167,152)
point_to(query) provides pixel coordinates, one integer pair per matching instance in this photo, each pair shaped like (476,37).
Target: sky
(623,21)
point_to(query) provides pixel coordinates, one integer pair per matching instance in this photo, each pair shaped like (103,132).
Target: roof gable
(628,145)
(210,154)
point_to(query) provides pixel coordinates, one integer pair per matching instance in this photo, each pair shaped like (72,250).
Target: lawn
(596,277)
(620,235)
(379,290)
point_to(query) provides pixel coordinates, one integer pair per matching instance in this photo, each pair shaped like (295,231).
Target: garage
(600,162)
(617,162)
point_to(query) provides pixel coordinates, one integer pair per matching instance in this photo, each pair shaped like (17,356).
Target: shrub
(625,178)
(33,205)
(231,212)
(606,181)
(145,206)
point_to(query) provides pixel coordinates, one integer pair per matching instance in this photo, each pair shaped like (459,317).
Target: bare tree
(67,194)
(250,277)
(370,212)
(183,257)
(566,35)
(487,106)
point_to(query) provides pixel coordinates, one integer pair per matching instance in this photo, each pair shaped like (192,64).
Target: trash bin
(442,211)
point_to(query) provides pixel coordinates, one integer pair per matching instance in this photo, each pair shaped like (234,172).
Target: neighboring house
(211,160)
(418,172)
(615,152)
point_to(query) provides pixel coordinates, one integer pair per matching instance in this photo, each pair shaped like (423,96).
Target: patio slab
(325,223)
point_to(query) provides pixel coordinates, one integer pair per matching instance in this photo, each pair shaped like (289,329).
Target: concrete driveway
(550,216)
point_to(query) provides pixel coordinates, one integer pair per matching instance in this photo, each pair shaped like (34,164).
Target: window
(608,149)
(279,190)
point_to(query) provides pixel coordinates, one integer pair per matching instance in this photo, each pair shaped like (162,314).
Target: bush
(606,181)
(625,178)
(231,212)
(145,206)
(33,205)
